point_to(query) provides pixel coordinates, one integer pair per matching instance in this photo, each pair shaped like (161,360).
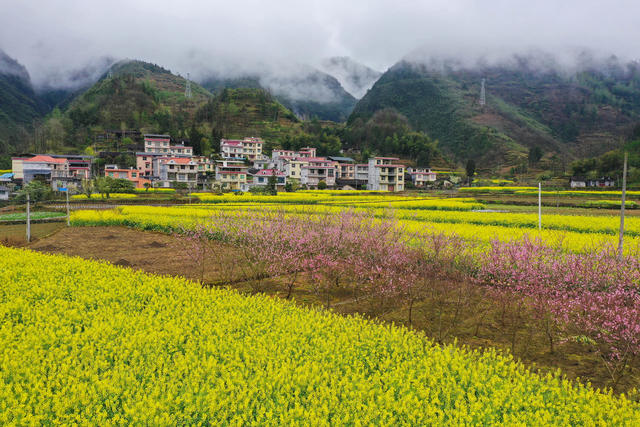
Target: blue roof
(7,175)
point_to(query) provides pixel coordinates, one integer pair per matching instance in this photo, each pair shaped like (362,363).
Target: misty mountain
(356,78)
(131,95)
(60,88)
(304,90)
(19,104)
(531,101)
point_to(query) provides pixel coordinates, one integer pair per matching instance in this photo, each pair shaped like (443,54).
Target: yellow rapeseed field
(573,232)
(84,342)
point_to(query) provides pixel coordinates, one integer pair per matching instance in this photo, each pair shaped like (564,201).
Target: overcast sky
(51,37)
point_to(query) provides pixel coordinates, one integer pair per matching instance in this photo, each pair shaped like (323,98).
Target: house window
(134,174)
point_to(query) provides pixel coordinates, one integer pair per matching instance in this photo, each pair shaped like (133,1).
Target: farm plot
(89,342)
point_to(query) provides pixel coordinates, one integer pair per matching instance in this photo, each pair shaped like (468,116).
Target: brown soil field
(16,234)
(477,321)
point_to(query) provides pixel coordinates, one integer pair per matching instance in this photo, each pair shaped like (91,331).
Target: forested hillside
(579,114)
(19,107)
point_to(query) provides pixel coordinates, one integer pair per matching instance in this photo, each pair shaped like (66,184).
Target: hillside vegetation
(19,107)
(575,115)
(134,95)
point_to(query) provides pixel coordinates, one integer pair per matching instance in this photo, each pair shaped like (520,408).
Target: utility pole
(68,216)
(187,90)
(539,206)
(28,218)
(624,200)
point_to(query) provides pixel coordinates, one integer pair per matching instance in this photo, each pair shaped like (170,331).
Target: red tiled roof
(179,160)
(46,159)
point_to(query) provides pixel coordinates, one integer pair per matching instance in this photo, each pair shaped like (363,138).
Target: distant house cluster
(240,166)
(310,170)
(582,182)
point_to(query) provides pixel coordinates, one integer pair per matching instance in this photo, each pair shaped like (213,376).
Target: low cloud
(56,39)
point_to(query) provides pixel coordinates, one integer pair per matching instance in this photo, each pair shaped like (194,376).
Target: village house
(362,173)
(130,174)
(144,163)
(249,148)
(345,168)
(55,169)
(384,175)
(261,177)
(176,169)
(4,192)
(318,169)
(420,177)
(293,167)
(232,174)
(307,152)
(162,144)
(205,164)
(582,182)
(42,167)
(262,163)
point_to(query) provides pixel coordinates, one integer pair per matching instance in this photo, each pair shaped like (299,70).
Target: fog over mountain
(55,39)
(356,78)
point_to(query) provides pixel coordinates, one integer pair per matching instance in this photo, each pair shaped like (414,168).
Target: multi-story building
(79,165)
(345,168)
(421,176)
(293,168)
(307,152)
(262,163)
(71,166)
(205,164)
(144,163)
(384,175)
(318,169)
(42,167)
(275,154)
(130,174)
(162,144)
(157,143)
(176,169)
(362,173)
(232,174)
(249,148)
